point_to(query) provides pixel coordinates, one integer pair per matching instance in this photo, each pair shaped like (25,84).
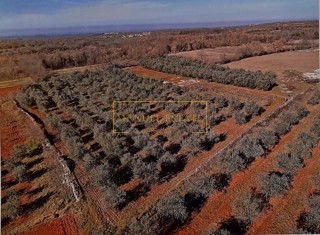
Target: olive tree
(274,183)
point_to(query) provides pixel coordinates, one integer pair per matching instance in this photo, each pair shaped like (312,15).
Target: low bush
(19,172)
(315,98)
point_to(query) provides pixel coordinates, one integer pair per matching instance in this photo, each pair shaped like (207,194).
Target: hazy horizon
(125,28)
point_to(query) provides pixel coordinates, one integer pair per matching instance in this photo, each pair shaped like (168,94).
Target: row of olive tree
(308,221)
(290,160)
(212,73)
(252,146)
(174,210)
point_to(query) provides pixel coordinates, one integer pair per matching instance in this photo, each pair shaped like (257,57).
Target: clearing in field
(212,56)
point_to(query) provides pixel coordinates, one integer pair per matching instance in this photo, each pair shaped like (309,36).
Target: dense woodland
(36,56)
(212,73)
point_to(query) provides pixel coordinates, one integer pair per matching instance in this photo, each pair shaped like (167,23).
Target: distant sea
(89,30)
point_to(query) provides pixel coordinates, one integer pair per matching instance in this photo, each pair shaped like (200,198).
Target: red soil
(130,185)
(15,126)
(8,91)
(61,226)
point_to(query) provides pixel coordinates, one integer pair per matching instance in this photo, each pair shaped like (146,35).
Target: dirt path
(14,83)
(218,206)
(105,212)
(282,218)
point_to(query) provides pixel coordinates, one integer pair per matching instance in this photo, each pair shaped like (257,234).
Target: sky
(31,14)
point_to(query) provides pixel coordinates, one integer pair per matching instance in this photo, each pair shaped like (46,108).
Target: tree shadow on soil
(36,204)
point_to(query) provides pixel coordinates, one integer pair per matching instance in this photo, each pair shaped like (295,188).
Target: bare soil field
(288,66)
(281,63)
